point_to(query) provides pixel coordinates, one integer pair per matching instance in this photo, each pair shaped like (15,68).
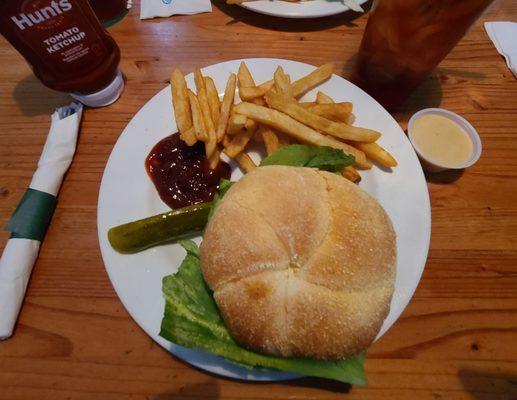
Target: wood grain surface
(456,340)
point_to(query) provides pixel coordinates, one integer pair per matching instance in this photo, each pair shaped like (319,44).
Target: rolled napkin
(32,216)
(166,8)
(504,37)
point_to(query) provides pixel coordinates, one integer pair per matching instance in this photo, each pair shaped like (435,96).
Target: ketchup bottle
(66,46)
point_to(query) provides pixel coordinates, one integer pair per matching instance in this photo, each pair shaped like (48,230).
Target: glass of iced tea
(109,12)
(405,40)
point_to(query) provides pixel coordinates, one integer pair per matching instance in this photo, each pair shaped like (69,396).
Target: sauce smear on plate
(181,174)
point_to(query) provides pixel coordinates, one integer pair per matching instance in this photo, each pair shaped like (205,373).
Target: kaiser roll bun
(301,262)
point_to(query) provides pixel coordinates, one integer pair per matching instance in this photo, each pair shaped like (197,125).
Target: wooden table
(456,340)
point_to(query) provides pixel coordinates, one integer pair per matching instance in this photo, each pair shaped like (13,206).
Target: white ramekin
(433,165)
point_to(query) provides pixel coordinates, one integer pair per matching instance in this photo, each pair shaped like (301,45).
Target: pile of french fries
(270,113)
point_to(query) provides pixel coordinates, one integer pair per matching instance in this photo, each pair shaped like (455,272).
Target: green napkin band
(32,216)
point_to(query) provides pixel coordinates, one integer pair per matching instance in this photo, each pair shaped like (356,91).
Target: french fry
(283,83)
(226,141)
(189,136)
(243,159)
(284,123)
(236,123)
(244,76)
(257,137)
(351,174)
(267,84)
(337,129)
(214,158)
(211,148)
(245,162)
(339,112)
(197,118)
(239,141)
(180,102)
(255,93)
(307,104)
(213,99)
(229,94)
(377,154)
(260,101)
(248,93)
(211,142)
(245,79)
(270,139)
(316,77)
(333,108)
(199,80)
(322,98)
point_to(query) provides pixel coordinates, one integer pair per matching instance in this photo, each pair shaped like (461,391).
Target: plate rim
(255,6)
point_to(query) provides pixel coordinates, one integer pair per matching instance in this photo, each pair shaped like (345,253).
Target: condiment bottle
(66,46)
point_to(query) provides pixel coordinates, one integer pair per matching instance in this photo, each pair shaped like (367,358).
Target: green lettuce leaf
(296,155)
(224,185)
(302,155)
(191,319)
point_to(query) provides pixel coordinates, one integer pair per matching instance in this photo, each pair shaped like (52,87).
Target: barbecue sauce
(181,173)
(66,46)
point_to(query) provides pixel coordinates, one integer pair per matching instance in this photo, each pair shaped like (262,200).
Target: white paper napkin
(166,8)
(504,37)
(20,254)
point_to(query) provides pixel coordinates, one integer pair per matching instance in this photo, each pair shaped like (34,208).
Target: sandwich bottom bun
(302,263)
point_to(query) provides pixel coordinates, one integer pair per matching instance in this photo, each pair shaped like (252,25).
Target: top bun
(301,262)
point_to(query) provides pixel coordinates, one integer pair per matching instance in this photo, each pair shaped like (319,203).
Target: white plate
(127,194)
(302,9)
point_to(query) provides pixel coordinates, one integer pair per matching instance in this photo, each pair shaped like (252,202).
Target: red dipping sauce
(181,173)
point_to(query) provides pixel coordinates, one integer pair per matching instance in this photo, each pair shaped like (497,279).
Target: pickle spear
(159,229)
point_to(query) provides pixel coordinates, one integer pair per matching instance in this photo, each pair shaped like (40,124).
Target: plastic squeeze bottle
(66,46)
